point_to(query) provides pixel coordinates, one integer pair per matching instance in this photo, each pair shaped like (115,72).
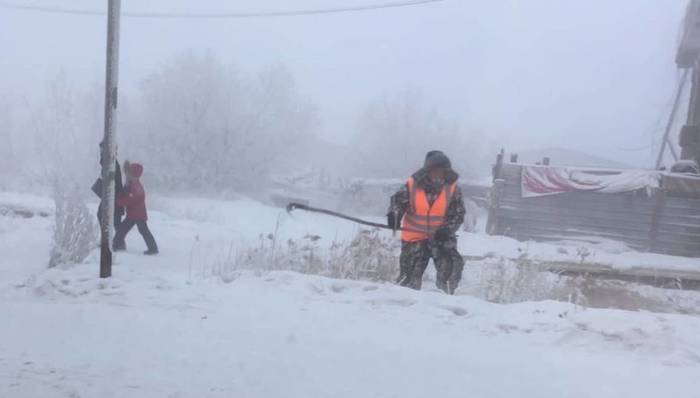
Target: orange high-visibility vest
(422,218)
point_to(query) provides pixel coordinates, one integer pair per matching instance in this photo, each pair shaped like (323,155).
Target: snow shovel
(294,206)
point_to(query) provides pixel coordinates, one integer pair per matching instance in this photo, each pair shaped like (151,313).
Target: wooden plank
(654,276)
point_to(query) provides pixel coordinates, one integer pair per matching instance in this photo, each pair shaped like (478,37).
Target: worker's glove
(443,235)
(393,220)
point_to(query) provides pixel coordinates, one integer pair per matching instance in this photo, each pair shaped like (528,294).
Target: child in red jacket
(133,198)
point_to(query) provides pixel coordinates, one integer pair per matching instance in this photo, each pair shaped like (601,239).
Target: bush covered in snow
(503,280)
(369,256)
(75,230)
(374,257)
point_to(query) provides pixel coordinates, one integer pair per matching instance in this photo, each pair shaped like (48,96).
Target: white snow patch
(165,326)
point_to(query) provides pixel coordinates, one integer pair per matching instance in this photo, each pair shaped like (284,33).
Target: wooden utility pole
(109,145)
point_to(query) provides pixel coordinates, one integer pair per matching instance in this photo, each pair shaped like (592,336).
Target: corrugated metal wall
(662,222)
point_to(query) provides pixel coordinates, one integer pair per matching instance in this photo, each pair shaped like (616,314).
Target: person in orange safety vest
(430,209)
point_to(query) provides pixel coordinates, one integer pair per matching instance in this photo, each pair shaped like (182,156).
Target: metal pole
(109,146)
(671,117)
(674,153)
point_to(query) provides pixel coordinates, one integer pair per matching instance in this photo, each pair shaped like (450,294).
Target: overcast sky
(594,75)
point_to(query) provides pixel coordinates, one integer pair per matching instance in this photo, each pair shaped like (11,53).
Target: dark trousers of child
(124,229)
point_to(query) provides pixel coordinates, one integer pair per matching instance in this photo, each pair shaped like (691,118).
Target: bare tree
(61,126)
(395,132)
(204,126)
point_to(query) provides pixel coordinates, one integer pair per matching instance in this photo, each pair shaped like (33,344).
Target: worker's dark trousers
(415,257)
(124,229)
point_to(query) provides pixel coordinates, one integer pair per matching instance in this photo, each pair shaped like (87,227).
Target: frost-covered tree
(75,228)
(64,129)
(201,124)
(395,132)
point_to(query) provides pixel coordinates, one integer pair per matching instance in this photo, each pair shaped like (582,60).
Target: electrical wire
(225,15)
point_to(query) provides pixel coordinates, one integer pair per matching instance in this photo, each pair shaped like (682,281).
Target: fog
(317,204)
(216,102)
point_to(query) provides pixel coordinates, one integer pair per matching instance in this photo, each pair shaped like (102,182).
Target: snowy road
(162,328)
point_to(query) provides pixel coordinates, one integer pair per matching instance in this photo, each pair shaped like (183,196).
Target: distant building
(687,57)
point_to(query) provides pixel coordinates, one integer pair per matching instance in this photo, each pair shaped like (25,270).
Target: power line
(226,15)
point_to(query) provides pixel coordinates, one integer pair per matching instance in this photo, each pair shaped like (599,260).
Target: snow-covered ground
(171,326)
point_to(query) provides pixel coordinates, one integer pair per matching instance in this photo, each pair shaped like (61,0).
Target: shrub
(369,256)
(75,230)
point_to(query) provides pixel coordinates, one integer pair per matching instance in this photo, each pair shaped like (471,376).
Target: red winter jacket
(134,197)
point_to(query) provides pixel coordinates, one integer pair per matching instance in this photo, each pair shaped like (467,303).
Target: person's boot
(151,252)
(443,285)
(450,287)
(402,280)
(415,282)
(118,247)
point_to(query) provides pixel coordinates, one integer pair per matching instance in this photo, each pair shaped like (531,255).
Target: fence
(663,220)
